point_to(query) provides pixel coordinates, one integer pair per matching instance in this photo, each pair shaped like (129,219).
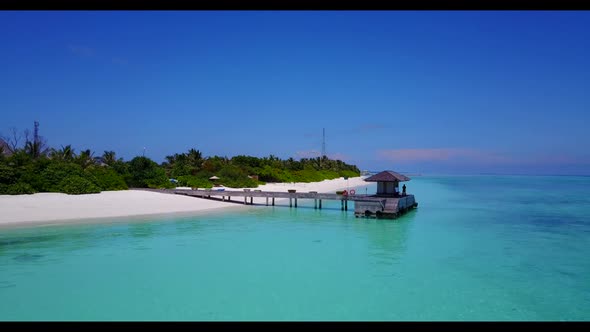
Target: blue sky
(423,91)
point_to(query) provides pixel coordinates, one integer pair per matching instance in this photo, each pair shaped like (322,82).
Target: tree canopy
(28,166)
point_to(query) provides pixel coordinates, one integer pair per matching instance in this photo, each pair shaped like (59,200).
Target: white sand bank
(46,208)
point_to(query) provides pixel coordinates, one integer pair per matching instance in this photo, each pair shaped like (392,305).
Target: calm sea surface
(477,248)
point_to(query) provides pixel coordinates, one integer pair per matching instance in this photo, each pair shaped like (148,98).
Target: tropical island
(28,165)
(44,185)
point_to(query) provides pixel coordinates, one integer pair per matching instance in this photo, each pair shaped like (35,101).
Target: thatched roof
(387,176)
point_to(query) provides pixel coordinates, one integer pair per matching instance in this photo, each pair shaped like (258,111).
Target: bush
(56,172)
(232,176)
(33,173)
(194,181)
(165,185)
(7,174)
(18,188)
(105,178)
(144,173)
(270,174)
(121,167)
(76,185)
(181,169)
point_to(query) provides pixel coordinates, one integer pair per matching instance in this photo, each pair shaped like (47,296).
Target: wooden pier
(388,202)
(365,205)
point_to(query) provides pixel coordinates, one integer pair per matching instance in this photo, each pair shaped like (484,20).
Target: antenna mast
(324,143)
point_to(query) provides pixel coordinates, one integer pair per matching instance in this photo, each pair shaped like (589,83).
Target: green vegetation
(248,172)
(33,167)
(193,181)
(18,188)
(54,174)
(105,178)
(145,173)
(76,185)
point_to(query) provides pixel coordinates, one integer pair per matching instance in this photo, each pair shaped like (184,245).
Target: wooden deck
(365,205)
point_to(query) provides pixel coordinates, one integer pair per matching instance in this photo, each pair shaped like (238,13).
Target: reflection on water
(24,246)
(27,257)
(386,238)
(25,240)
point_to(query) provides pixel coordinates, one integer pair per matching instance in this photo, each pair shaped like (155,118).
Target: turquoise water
(477,248)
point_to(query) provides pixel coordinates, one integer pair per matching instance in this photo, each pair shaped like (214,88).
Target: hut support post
(315,203)
(245,200)
(251,200)
(290,202)
(320,204)
(273,201)
(266,200)
(295,201)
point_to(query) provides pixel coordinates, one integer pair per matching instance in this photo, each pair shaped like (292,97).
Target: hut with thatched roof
(387,183)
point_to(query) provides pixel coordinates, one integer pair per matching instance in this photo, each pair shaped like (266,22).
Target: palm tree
(33,149)
(85,158)
(109,158)
(66,153)
(171,159)
(195,158)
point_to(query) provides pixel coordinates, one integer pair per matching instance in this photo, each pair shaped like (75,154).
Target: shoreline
(58,209)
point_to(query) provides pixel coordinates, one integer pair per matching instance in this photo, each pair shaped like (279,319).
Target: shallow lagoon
(477,248)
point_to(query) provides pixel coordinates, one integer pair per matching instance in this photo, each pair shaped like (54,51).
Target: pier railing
(275,194)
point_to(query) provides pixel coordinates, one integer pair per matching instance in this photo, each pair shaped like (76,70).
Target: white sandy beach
(47,208)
